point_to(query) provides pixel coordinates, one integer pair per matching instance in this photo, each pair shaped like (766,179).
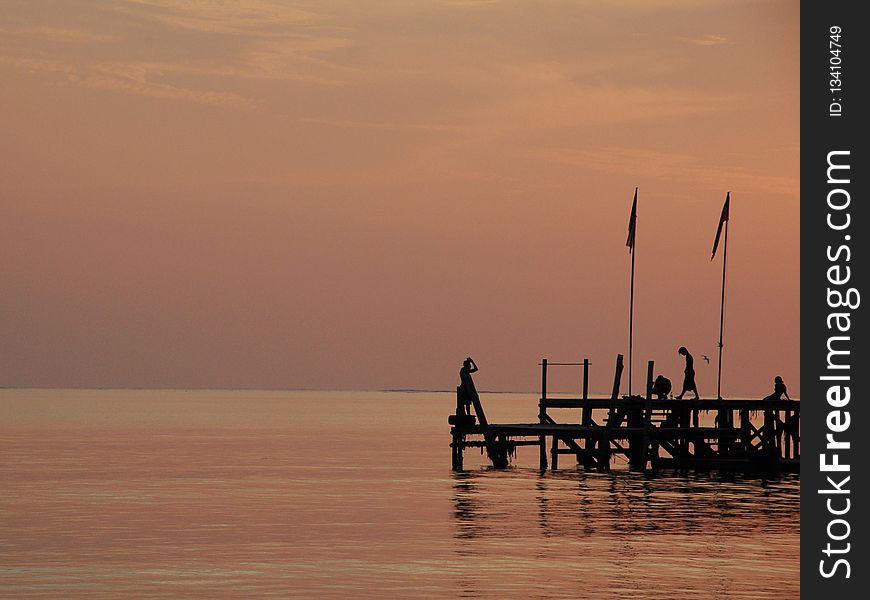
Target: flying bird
(706,358)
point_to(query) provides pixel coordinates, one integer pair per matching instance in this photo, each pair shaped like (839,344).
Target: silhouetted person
(661,387)
(466,383)
(778,390)
(689,377)
(789,426)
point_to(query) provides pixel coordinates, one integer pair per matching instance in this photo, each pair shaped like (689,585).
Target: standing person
(790,426)
(689,378)
(466,383)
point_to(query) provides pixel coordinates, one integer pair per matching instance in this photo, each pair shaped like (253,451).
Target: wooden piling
(647,416)
(604,450)
(587,413)
(768,435)
(587,410)
(542,414)
(456,446)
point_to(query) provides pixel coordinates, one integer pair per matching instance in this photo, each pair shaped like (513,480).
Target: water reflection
(582,503)
(467,506)
(703,530)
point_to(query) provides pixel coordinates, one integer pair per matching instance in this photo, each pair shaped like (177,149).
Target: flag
(722,220)
(631,224)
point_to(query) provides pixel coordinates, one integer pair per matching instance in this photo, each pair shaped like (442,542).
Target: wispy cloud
(134,79)
(707,40)
(123,78)
(252,17)
(235,42)
(536,97)
(62,34)
(384,125)
(671,166)
(469,3)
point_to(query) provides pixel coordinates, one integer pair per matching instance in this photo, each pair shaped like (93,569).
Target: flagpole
(632,244)
(631,313)
(722,308)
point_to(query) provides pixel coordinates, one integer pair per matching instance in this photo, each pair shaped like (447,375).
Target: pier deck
(651,433)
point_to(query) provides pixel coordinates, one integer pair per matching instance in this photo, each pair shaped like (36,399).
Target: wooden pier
(651,433)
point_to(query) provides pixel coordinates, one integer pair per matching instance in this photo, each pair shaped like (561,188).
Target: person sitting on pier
(661,387)
(778,390)
(689,378)
(466,384)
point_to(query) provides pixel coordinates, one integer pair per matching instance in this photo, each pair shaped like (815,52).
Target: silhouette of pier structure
(651,433)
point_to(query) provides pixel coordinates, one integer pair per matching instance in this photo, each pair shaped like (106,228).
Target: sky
(359,194)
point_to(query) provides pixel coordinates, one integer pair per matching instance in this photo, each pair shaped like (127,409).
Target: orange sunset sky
(358,194)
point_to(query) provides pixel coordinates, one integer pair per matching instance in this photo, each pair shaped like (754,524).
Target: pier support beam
(542,414)
(586,421)
(604,450)
(647,416)
(543,458)
(768,434)
(456,446)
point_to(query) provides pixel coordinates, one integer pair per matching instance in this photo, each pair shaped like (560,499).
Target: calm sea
(202,494)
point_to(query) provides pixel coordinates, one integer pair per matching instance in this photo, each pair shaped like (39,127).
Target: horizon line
(256,389)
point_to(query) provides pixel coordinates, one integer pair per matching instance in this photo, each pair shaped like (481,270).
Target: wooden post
(724,420)
(685,423)
(458,437)
(587,412)
(542,465)
(745,432)
(768,435)
(647,415)
(604,450)
(796,433)
(543,379)
(554,453)
(617,378)
(542,414)
(457,451)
